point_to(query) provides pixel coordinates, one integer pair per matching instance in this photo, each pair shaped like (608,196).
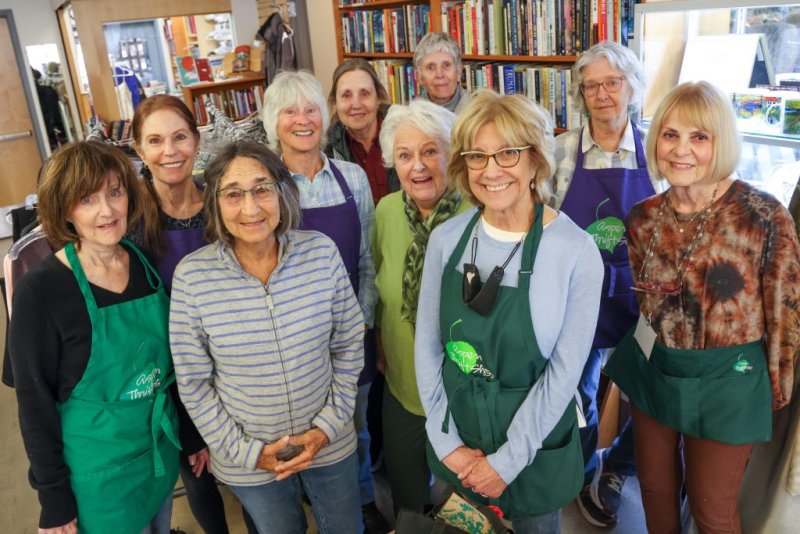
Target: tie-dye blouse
(743,283)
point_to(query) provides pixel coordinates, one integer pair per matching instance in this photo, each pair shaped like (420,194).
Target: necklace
(679,224)
(688,255)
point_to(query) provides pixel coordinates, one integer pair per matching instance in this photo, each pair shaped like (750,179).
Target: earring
(533,185)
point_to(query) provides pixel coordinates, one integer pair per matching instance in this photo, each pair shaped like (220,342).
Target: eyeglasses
(612,85)
(654,288)
(507,157)
(234,196)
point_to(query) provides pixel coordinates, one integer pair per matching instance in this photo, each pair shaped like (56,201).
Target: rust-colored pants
(713,473)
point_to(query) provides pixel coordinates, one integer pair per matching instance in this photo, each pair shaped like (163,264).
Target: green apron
(496,378)
(719,394)
(119,424)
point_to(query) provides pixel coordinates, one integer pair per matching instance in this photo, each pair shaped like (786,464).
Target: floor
(19,506)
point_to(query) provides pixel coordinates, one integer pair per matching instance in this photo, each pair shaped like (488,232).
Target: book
(187,70)
(203,67)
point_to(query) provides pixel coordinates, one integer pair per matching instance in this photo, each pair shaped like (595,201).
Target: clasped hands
(312,442)
(475,472)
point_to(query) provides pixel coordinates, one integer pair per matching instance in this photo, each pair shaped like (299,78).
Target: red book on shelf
(602,21)
(204,72)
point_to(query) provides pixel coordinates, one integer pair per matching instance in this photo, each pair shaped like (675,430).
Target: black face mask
(478,296)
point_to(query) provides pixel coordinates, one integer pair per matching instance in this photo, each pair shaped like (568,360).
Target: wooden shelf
(520,59)
(378,4)
(379,55)
(193,96)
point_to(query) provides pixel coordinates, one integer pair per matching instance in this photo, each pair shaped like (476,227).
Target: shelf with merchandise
(750,49)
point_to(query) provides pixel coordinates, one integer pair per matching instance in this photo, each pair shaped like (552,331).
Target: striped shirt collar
(627,142)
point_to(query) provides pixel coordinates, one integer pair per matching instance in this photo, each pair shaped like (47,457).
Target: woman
(437,61)
(167,140)
(501,411)
(359,103)
(601,174)
(715,263)
(266,336)
(91,358)
(415,140)
(336,200)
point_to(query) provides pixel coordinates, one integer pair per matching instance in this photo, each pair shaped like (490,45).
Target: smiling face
(504,192)
(357,101)
(605,106)
(168,147)
(300,128)
(685,153)
(420,164)
(252,222)
(100,218)
(440,76)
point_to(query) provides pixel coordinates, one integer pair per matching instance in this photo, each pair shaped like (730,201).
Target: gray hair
(285,91)
(436,42)
(288,194)
(433,120)
(621,59)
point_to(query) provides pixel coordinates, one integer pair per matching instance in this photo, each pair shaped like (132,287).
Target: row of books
(536,27)
(547,85)
(235,103)
(385,30)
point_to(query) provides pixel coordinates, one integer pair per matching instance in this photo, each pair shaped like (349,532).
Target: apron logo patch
(466,357)
(607,232)
(144,385)
(742,366)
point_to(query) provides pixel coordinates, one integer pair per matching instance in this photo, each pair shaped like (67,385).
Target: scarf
(415,255)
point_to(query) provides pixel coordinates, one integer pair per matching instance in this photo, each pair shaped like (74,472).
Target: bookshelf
(507,45)
(236,97)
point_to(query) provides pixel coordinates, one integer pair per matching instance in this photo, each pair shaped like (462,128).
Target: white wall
(245,21)
(323,40)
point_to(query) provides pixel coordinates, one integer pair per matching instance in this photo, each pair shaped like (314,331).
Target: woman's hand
(198,461)
(481,477)
(461,458)
(69,528)
(267,461)
(311,441)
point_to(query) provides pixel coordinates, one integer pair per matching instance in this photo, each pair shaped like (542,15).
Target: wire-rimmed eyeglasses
(506,157)
(234,196)
(612,85)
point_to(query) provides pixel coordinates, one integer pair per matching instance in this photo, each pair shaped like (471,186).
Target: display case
(750,50)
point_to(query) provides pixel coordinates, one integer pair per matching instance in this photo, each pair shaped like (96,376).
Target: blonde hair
(705,107)
(520,122)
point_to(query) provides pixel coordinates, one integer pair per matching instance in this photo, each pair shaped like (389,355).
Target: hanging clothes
(279,37)
(130,92)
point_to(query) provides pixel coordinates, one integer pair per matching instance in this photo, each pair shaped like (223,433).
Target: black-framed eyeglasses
(506,157)
(234,196)
(612,85)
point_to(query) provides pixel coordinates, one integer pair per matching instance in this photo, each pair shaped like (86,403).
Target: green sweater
(390,241)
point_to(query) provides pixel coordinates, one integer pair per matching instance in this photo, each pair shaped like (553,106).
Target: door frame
(26,76)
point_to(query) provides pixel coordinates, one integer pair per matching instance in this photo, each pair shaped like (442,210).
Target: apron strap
(83,282)
(153,277)
(159,423)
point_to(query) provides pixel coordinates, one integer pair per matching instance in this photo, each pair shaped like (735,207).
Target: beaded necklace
(688,255)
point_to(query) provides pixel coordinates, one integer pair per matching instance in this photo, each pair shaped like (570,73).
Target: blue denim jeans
(161,521)
(540,524)
(365,488)
(276,507)
(617,458)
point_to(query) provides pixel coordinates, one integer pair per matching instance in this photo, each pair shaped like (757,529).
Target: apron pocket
(737,409)
(555,477)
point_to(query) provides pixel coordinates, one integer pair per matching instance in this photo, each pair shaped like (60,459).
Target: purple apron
(342,224)
(598,201)
(177,244)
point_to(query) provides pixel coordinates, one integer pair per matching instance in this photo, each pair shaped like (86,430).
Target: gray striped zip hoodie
(257,362)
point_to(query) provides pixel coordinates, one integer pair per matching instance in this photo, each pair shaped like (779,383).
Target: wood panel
(20,157)
(89,18)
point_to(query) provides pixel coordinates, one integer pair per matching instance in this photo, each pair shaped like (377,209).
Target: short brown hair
(520,121)
(288,194)
(74,171)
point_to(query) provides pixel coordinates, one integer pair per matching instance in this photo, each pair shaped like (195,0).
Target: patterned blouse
(742,283)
